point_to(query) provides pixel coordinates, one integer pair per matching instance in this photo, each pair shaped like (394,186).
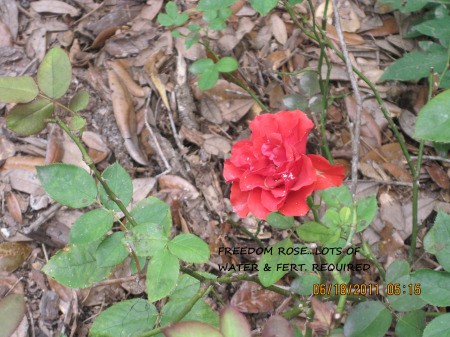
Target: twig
(118,280)
(43,218)
(445,160)
(155,140)
(357,122)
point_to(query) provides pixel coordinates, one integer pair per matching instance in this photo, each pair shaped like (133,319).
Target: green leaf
(147,239)
(270,261)
(191,39)
(234,324)
(316,232)
(415,65)
(186,288)
(162,275)
(208,79)
(217,24)
(127,318)
(437,240)
(397,269)
(435,286)
(172,9)
(29,118)
(406,6)
(91,226)
(77,123)
(119,182)
(309,83)
(76,266)
(296,102)
(210,15)
(227,64)
(189,248)
(201,312)
(438,327)
(368,319)
(191,329)
(204,5)
(433,121)
(201,65)
(365,212)
(153,210)
(165,20)
(294,2)
(225,12)
(437,28)
(181,19)
(12,311)
(405,301)
(55,73)
(280,221)
(411,324)
(21,89)
(337,197)
(111,251)
(331,218)
(263,6)
(69,185)
(303,284)
(80,101)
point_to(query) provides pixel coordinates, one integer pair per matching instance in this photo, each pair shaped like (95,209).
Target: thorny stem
(246,232)
(312,206)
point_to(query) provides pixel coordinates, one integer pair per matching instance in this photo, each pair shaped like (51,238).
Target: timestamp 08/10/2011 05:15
(364,289)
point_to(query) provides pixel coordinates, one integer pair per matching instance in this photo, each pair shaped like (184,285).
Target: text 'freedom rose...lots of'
(272,172)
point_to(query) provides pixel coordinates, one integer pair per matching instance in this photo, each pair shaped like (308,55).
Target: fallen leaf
(104,35)
(169,181)
(23,162)
(55,7)
(120,68)
(152,72)
(7,148)
(12,255)
(278,29)
(252,298)
(14,207)
(389,27)
(323,315)
(216,145)
(351,39)
(438,175)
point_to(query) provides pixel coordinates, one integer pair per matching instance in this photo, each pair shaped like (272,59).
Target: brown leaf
(278,29)
(23,162)
(369,127)
(125,116)
(391,244)
(152,72)
(323,315)
(349,38)
(55,7)
(7,148)
(151,11)
(252,298)
(438,175)
(5,36)
(12,255)
(14,207)
(104,35)
(120,68)
(389,27)
(398,172)
(54,151)
(277,326)
(216,145)
(170,181)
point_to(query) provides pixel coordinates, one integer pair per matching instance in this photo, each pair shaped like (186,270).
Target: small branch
(357,122)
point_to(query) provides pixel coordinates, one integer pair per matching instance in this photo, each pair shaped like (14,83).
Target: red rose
(271,171)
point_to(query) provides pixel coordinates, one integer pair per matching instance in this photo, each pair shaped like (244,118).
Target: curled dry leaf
(120,68)
(398,172)
(438,175)
(278,29)
(216,145)
(277,326)
(142,188)
(97,148)
(323,315)
(389,27)
(151,69)
(55,7)
(7,148)
(54,152)
(351,39)
(12,255)
(13,206)
(28,163)
(125,117)
(104,35)
(252,298)
(151,11)
(170,181)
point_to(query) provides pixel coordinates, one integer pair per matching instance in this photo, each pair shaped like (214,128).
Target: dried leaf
(23,162)
(174,182)
(55,7)
(278,29)
(252,298)
(369,127)
(277,326)
(438,175)
(398,172)
(54,152)
(104,35)
(12,255)
(149,12)
(14,207)
(389,27)
(7,148)
(152,72)
(351,39)
(323,315)
(127,80)
(217,145)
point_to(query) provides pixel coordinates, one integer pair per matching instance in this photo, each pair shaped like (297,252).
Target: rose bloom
(271,171)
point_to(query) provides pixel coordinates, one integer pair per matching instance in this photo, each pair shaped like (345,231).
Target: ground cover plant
(322,266)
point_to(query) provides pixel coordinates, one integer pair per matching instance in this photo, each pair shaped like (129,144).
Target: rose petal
(231,172)
(269,201)
(249,181)
(239,200)
(328,175)
(295,204)
(294,126)
(255,205)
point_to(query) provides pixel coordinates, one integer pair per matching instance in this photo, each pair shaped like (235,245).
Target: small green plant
(434,23)
(209,71)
